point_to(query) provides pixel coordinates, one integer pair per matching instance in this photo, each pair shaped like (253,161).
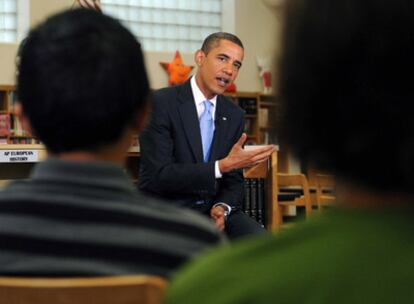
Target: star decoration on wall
(178,71)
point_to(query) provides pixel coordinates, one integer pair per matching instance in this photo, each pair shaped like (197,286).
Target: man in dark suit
(176,161)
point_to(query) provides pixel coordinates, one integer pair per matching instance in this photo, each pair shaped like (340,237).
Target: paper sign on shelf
(19,156)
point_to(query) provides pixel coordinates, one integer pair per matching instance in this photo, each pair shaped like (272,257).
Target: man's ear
(19,114)
(199,57)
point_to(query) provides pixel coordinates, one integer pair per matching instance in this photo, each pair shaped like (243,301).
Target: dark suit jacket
(171,151)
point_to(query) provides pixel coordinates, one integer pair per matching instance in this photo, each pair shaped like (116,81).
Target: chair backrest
(325,190)
(299,183)
(138,289)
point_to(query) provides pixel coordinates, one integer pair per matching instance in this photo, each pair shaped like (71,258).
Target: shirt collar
(198,95)
(91,173)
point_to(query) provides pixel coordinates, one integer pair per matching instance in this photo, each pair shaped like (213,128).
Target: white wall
(7,61)
(38,11)
(256,24)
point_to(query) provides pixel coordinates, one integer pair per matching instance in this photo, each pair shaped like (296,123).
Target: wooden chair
(325,190)
(300,196)
(275,208)
(322,185)
(138,289)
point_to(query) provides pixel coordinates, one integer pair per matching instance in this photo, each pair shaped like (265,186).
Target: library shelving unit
(19,150)
(269,114)
(261,113)
(11,131)
(17,160)
(250,103)
(266,171)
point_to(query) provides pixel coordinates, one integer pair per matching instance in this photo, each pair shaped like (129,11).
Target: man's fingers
(259,155)
(242,139)
(262,151)
(86,3)
(98,6)
(93,4)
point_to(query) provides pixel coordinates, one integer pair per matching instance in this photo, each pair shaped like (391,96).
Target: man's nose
(228,69)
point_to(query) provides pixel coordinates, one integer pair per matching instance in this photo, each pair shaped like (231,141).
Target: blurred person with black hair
(82,89)
(346,96)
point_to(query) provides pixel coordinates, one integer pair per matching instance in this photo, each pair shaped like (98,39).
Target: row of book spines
(10,125)
(248,104)
(254,199)
(19,140)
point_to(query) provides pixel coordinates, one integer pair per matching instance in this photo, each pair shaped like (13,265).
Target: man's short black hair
(346,89)
(213,40)
(81,80)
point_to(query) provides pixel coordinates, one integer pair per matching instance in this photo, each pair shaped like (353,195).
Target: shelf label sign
(19,156)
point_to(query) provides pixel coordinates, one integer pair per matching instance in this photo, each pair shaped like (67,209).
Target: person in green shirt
(345,98)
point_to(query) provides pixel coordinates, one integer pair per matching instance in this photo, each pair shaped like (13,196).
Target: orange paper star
(178,71)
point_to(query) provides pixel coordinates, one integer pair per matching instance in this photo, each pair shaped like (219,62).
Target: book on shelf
(4,124)
(3,102)
(11,130)
(22,140)
(254,199)
(12,99)
(263,118)
(248,126)
(17,126)
(249,105)
(260,201)
(246,201)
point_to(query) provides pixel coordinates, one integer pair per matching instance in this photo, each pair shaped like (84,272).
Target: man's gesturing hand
(239,158)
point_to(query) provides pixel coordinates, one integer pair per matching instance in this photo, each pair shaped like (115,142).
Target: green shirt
(344,256)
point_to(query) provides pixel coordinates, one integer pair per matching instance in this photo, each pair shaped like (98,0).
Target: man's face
(218,68)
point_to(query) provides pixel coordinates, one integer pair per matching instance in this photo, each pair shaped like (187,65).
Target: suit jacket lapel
(189,119)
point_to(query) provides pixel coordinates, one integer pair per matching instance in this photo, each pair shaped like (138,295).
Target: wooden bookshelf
(250,103)
(16,161)
(268,114)
(14,140)
(11,131)
(268,171)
